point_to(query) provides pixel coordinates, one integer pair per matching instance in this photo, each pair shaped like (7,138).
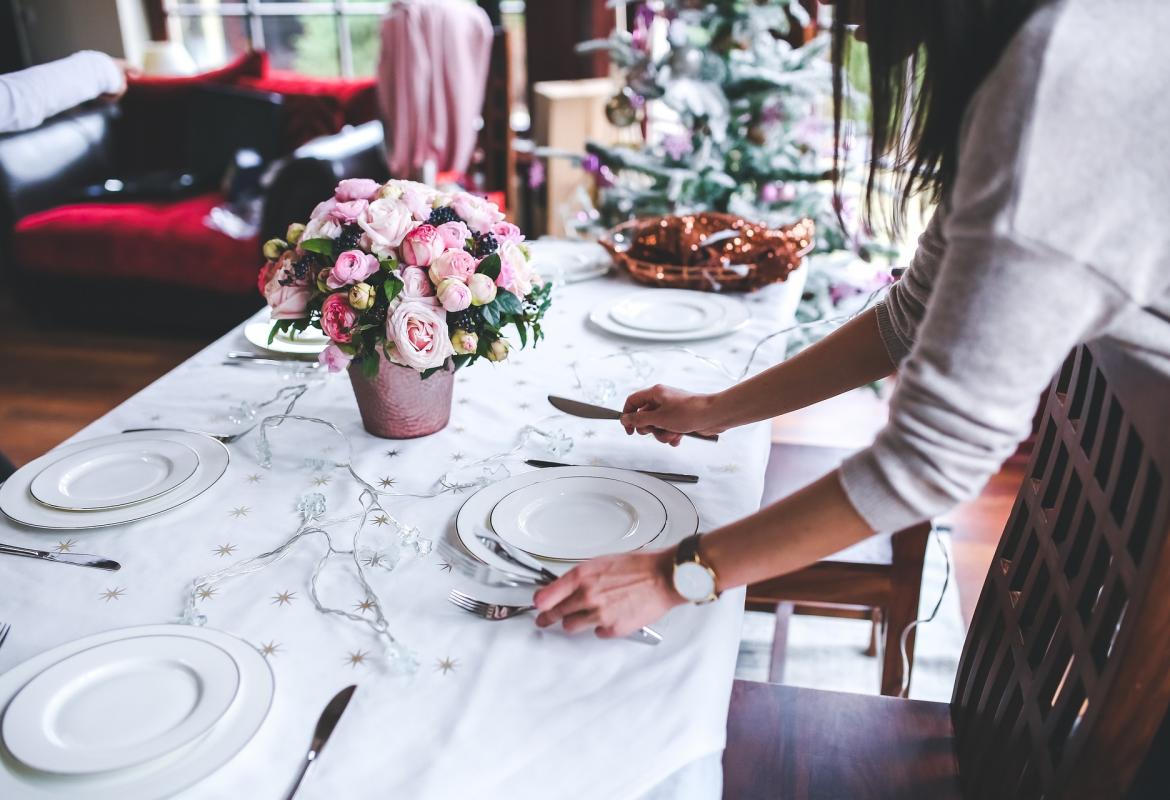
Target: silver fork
(484,609)
(484,574)
(4,629)
(225,438)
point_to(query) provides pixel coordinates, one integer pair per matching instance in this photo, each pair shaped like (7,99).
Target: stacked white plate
(113,480)
(562,515)
(671,315)
(310,341)
(569,260)
(138,712)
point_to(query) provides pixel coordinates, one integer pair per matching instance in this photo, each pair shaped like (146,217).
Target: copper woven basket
(709,251)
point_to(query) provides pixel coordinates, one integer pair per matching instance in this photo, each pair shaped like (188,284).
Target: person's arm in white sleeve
(30,96)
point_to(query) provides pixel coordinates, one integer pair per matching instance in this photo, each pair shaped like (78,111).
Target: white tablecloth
(495,709)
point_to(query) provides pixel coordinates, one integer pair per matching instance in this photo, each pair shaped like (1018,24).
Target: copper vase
(398,404)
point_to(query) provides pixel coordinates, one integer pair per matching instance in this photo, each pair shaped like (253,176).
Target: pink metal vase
(398,404)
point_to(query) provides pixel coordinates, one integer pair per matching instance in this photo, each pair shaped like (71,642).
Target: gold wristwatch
(693,578)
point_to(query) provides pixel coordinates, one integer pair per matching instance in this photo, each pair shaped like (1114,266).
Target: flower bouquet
(408,283)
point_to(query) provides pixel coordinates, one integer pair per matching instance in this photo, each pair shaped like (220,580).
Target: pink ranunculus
(334,358)
(507,232)
(454,234)
(453,294)
(352,266)
(416,285)
(338,318)
(483,289)
(515,274)
(356,189)
(324,208)
(350,211)
(386,222)
(421,246)
(419,332)
(458,264)
(479,214)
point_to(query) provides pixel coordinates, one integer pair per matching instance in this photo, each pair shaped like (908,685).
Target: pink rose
(324,208)
(416,285)
(506,232)
(334,358)
(418,197)
(455,235)
(338,318)
(421,246)
(287,302)
(350,211)
(386,222)
(453,294)
(479,214)
(321,228)
(356,189)
(419,333)
(352,266)
(515,273)
(453,264)
(483,289)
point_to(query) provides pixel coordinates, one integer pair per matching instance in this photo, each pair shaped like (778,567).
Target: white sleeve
(30,96)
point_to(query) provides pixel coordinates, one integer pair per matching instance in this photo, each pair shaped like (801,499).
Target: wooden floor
(53,383)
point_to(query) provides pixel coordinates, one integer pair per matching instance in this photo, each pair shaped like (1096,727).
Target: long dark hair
(926,59)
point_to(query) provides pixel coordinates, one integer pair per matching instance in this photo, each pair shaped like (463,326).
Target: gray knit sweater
(1057,232)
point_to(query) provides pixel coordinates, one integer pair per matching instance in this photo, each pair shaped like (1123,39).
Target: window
(326,38)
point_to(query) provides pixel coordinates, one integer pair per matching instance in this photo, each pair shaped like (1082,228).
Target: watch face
(693,581)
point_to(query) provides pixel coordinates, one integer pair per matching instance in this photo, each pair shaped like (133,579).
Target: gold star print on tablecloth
(239,511)
(524,406)
(112,594)
(727,468)
(357,657)
(321,480)
(589,434)
(381,519)
(206,592)
(458,428)
(284,598)
(373,559)
(393,453)
(253,478)
(445,566)
(65,546)
(269,649)
(445,665)
(457,456)
(224,550)
(386,482)
(364,605)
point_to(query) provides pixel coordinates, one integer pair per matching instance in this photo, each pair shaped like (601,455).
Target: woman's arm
(29,97)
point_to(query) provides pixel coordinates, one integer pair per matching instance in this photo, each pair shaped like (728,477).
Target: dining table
(490,709)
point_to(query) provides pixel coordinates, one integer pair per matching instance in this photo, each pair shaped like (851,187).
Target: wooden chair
(878,580)
(1063,681)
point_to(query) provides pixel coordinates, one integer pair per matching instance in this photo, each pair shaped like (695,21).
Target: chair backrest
(1065,674)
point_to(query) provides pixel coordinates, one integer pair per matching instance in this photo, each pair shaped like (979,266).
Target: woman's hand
(617,595)
(667,413)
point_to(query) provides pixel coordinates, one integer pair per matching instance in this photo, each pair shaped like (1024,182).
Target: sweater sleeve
(30,96)
(899,314)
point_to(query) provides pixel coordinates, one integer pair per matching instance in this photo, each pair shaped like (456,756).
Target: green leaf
(491,315)
(523,331)
(280,326)
(369,365)
(507,302)
(324,246)
(391,288)
(389,264)
(490,266)
(463,360)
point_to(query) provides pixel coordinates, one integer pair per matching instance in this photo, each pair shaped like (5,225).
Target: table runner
(494,709)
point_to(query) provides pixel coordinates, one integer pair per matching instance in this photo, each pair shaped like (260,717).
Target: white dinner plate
(475,515)
(671,315)
(164,776)
(308,342)
(120,704)
(666,311)
(575,518)
(114,474)
(569,260)
(20,506)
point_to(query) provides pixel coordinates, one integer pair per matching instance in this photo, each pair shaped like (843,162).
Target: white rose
(386,222)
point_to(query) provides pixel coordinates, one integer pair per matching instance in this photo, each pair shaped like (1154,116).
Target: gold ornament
(620,110)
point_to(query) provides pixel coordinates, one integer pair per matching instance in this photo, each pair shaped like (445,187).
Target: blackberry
(469,319)
(441,215)
(301,268)
(349,238)
(377,314)
(483,244)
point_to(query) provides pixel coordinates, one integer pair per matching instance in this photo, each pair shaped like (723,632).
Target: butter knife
(674,477)
(325,725)
(77,559)
(578,409)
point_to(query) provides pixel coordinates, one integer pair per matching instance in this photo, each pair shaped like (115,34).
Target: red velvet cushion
(145,242)
(317,106)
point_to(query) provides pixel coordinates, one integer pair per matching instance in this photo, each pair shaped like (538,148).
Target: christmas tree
(736,118)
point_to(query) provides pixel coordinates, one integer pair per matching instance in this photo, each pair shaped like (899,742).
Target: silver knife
(578,409)
(674,477)
(293,358)
(77,559)
(325,725)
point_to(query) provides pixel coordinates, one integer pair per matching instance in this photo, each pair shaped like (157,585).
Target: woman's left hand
(617,595)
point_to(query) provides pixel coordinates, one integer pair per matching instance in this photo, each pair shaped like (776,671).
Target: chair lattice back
(1063,679)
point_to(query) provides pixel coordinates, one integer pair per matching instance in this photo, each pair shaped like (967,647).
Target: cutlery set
(576,408)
